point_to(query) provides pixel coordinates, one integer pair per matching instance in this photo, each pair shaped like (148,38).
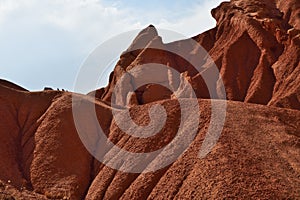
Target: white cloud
(198,20)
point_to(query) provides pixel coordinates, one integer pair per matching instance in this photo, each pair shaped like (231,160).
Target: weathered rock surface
(255,46)
(42,156)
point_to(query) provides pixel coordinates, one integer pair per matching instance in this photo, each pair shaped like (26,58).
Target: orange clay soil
(42,156)
(255,45)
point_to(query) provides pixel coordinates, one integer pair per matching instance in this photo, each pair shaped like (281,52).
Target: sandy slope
(256,156)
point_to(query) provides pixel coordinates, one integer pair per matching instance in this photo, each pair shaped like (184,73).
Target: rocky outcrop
(251,45)
(255,47)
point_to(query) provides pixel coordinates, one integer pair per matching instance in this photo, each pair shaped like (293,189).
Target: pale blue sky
(44,42)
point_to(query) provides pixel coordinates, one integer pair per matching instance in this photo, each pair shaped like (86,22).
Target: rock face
(255,46)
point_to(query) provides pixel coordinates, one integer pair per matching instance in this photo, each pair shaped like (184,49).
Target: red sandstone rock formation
(256,48)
